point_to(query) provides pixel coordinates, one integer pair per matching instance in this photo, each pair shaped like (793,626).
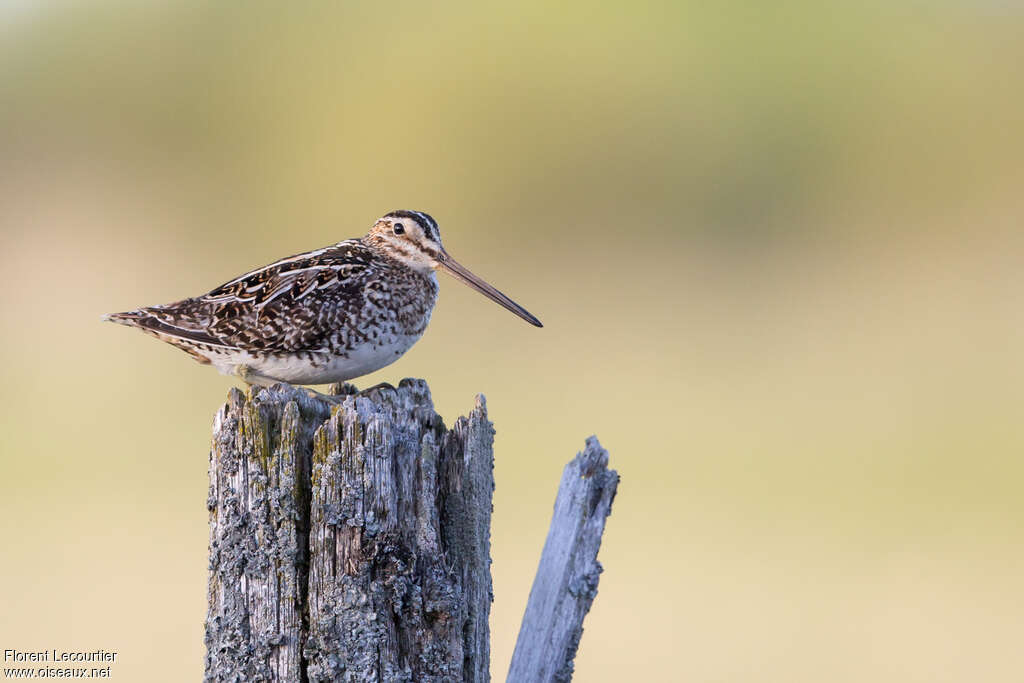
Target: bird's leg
(342,389)
(250,376)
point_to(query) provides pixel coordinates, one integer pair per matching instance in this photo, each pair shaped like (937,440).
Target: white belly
(318,367)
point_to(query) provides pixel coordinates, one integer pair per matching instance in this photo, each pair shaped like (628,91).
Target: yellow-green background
(777,248)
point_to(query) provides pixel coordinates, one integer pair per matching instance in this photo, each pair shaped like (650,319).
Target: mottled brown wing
(293,304)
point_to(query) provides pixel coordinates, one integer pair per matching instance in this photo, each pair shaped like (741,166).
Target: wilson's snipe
(328,315)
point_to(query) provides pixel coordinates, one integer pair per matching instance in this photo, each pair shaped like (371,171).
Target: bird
(324,316)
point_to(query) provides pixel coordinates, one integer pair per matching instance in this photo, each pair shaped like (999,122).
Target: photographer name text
(60,656)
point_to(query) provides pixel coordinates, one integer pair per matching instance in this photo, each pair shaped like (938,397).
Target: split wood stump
(352,543)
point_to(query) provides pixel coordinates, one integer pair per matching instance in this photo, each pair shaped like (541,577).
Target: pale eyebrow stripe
(430,223)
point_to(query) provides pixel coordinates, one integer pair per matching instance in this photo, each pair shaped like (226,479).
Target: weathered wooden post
(566,582)
(351,542)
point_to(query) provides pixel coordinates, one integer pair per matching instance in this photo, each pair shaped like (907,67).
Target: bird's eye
(398,228)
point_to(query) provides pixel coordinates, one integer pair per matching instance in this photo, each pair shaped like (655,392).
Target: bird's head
(413,239)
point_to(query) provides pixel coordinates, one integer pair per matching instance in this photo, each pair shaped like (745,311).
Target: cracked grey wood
(350,544)
(566,581)
(259,520)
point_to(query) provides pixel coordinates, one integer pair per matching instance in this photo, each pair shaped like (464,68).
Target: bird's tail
(144,319)
(130,318)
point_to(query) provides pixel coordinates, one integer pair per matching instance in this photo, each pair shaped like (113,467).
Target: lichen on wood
(259,528)
(349,543)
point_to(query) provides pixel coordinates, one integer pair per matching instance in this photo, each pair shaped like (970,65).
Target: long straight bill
(463,274)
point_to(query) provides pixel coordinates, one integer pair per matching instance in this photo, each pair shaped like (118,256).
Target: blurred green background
(777,249)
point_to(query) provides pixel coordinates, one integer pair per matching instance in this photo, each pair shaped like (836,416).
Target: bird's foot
(343,390)
(252,377)
(376,387)
(340,391)
(329,398)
